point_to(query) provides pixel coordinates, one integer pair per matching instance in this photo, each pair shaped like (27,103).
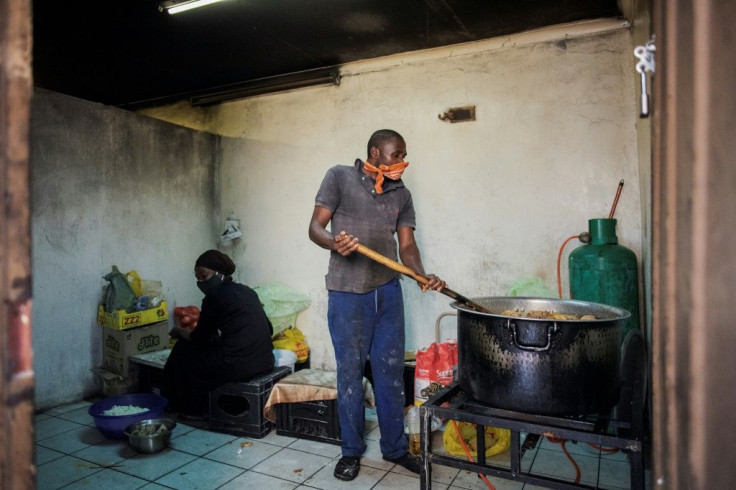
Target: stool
(237,408)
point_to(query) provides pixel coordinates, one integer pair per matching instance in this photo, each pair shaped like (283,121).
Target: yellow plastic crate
(120,320)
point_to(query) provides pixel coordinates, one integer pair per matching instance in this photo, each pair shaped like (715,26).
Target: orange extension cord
(467,453)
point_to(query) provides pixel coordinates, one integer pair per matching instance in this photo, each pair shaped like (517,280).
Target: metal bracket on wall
(646,64)
(458,114)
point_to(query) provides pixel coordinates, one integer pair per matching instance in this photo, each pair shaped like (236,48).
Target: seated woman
(232,341)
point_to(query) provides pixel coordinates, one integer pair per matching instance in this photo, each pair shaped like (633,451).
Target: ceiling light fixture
(268,85)
(176,6)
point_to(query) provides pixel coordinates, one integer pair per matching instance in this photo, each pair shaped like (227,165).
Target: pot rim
(544,304)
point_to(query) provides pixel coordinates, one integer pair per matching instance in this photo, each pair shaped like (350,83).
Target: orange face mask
(392,172)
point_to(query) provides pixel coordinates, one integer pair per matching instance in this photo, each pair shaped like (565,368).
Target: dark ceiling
(126,53)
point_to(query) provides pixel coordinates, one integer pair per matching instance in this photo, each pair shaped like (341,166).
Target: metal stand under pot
(622,427)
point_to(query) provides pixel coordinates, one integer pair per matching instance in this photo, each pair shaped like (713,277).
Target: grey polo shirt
(360,211)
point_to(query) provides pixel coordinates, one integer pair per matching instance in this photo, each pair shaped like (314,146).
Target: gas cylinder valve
(584,237)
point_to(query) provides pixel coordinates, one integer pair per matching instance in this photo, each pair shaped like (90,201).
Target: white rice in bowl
(124,410)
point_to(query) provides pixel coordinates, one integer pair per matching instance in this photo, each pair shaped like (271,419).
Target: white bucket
(284,357)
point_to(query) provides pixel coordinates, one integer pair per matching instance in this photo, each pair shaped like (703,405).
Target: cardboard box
(119,345)
(112,384)
(120,320)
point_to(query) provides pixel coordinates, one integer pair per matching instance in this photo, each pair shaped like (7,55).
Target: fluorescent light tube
(177,7)
(268,85)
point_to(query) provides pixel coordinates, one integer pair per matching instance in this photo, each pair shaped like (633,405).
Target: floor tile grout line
(62,432)
(80,479)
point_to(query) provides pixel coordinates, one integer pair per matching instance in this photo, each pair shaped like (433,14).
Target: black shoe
(408,461)
(347,468)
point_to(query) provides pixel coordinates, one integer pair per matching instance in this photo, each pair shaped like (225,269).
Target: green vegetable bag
(119,294)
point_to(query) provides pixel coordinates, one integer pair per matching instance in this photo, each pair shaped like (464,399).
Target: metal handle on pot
(551,329)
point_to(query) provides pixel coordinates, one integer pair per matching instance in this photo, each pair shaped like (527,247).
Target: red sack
(186,316)
(435,369)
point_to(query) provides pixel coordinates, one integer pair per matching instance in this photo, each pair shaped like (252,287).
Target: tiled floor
(72,454)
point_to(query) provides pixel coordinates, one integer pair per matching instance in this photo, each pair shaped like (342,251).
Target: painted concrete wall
(495,198)
(108,187)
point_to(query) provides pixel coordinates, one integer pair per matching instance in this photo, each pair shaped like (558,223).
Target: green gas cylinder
(605,272)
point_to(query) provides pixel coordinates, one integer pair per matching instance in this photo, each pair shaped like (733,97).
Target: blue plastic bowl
(113,426)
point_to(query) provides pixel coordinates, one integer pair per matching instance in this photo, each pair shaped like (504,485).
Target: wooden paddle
(392,264)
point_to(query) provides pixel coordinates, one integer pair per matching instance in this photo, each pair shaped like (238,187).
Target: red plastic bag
(186,316)
(436,366)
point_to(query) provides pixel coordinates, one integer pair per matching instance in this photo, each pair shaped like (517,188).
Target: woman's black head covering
(217,261)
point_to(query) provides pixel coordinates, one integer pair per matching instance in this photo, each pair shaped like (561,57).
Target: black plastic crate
(314,420)
(237,408)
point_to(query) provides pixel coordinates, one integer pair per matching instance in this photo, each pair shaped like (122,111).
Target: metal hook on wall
(458,114)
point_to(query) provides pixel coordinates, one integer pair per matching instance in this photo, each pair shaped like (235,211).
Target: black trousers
(189,375)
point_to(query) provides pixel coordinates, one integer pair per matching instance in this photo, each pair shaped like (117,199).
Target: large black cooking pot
(542,366)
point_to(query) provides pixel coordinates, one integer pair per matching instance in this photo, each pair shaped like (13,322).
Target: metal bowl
(151,435)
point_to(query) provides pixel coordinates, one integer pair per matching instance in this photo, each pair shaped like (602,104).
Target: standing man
(365,305)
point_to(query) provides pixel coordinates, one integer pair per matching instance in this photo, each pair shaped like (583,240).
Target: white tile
(53,426)
(200,474)
(153,466)
(40,416)
(296,466)
(107,452)
(80,415)
(109,480)
(84,404)
(251,479)
(373,434)
(443,474)
(62,471)
(370,425)
(469,480)
(44,455)
(182,429)
(315,447)
(396,481)
(373,457)
(200,442)
(278,440)
(243,453)
(73,440)
(556,464)
(614,474)
(325,479)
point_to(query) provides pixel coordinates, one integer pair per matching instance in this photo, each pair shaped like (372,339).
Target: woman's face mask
(211,283)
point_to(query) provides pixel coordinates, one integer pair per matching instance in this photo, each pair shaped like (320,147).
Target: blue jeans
(362,325)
